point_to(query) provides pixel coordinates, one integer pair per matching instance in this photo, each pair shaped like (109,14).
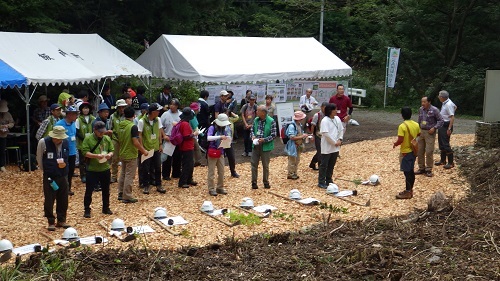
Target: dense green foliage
(444,44)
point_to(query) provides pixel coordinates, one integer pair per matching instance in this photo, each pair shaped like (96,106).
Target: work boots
(450,161)
(443,159)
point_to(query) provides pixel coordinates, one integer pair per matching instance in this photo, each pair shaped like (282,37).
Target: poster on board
(285,114)
(238,91)
(259,90)
(278,91)
(294,91)
(214,92)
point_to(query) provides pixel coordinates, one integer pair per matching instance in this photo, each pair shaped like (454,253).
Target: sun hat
(58,132)
(100,126)
(71,109)
(195,106)
(55,106)
(102,106)
(187,114)
(83,104)
(252,97)
(224,93)
(121,102)
(42,98)
(222,120)
(3,106)
(154,107)
(299,115)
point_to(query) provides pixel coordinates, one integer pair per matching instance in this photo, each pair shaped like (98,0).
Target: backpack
(211,109)
(284,137)
(176,137)
(25,163)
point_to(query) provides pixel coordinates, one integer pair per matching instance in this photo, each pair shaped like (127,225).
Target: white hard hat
(294,194)
(332,188)
(118,225)
(374,179)
(247,202)
(207,206)
(70,234)
(5,245)
(160,213)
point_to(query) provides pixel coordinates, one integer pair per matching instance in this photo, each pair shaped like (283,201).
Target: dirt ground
(461,244)
(373,125)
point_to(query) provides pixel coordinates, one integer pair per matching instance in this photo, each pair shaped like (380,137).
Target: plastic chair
(17,149)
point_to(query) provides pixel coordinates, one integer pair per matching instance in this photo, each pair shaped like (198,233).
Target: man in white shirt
(444,133)
(332,133)
(307,102)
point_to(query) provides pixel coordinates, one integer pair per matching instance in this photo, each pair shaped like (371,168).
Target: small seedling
(333,209)
(185,233)
(285,216)
(244,219)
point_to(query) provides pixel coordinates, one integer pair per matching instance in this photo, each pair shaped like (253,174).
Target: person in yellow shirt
(407,130)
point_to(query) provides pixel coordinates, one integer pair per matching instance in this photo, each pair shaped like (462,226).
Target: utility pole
(321,21)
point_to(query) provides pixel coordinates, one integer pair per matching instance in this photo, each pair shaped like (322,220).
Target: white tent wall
(241,59)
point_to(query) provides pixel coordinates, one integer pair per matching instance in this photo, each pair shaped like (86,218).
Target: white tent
(241,59)
(52,59)
(59,59)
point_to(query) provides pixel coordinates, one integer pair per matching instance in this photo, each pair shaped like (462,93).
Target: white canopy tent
(61,59)
(241,59)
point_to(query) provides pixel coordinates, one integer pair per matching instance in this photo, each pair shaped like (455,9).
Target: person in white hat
(115,120)
(216,133)
(295,145)
(6,122)
(52,155)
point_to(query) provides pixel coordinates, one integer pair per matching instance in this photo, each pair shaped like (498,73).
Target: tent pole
(27,101)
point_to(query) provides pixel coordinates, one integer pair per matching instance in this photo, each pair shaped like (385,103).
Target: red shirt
(186,132)
(342,103)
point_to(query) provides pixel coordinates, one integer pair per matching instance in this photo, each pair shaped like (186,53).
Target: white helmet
(118,225)
(246,203)
(5,245)
(207,206)
(160,213)
(294,194)
(70,234)
(374,179)
(332,188)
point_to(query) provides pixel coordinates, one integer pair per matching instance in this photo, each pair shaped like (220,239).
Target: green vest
(267,146)
(115,121)
(50,125)
(128,151)
(147,131)
(85,129)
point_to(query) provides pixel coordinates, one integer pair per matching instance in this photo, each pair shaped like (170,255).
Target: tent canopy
(241,59)
(51,59)
(9,77)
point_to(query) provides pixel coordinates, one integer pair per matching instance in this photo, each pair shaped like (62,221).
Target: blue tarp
(9,77)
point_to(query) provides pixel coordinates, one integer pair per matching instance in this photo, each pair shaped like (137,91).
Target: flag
(392,68)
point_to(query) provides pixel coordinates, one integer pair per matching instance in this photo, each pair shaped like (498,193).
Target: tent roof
(9,77)
(45,58)
(241,59)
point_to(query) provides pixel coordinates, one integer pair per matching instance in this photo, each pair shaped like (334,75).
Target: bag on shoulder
(284,137)
(176,137)
(413,141)
(214,152)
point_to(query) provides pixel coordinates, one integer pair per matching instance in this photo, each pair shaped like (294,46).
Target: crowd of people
(162,140)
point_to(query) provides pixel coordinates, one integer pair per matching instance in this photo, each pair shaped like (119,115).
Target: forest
(447,44)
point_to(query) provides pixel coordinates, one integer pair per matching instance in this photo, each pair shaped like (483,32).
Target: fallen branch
(46,236)
(336,229)
(366,204)
(160,224)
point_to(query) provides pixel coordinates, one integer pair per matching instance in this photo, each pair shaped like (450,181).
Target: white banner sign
(392,66)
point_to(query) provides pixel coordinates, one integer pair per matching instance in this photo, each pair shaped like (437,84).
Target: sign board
(491,96)
(285,114)
(214,92)
(357,92)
